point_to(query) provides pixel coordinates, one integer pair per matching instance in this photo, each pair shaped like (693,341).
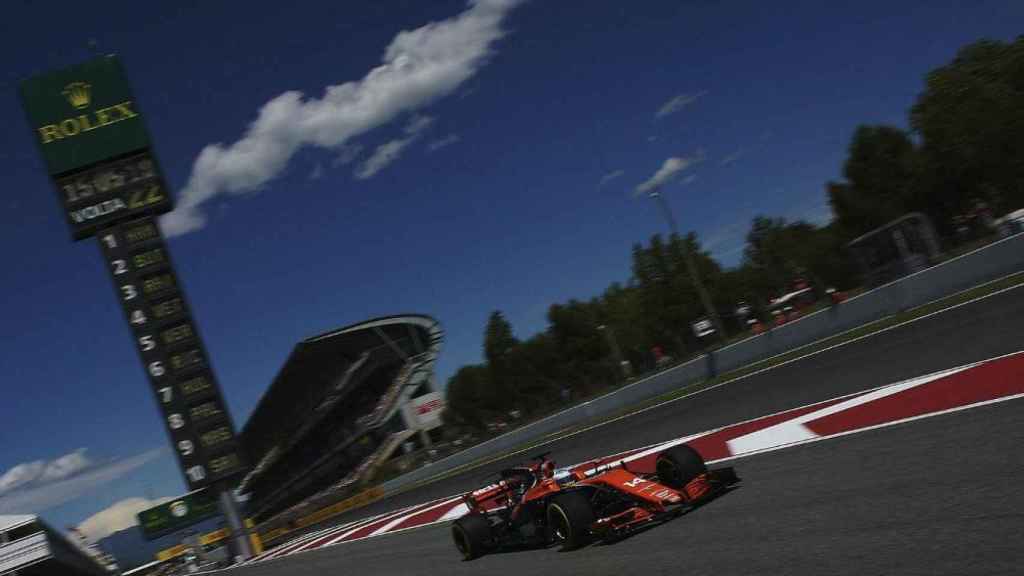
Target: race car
(536,505)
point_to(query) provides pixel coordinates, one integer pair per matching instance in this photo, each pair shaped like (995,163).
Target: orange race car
(535,505)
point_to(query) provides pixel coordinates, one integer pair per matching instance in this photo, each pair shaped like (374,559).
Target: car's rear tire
(570,517)
(678,465)
(472,535)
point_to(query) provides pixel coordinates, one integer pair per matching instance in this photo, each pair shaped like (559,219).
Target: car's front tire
(472,535)
(570,517)
(678,465)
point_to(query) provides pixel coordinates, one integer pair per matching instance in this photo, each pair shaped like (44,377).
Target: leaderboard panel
(172,352)
(102,194)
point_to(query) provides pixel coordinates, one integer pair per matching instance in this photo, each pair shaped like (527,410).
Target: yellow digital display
(177,334)
(158,283)
(205,411)
(168,308)
(195,385)
(215,437)
(137,233)
(224,463)
(148,259)
(108,179)
(185,360)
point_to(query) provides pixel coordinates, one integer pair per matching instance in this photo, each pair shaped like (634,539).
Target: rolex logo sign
(75,125)
(77,94)
(83,114)
(179,509)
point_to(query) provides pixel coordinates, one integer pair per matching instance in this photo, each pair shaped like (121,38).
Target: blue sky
(485,162)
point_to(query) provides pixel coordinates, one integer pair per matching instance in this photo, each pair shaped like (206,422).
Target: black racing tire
(678,465)
(472,535)
(570,517)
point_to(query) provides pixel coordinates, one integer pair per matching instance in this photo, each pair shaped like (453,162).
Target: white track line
(456,512)
(401,519)
(874,427)
(662,445)
(905,384)
(298,543)
(346,529)
(793,431)
(773,449)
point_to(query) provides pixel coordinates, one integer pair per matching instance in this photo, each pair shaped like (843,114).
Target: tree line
(962,154)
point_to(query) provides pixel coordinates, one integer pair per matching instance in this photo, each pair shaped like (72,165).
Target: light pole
(624,366)
(709,309)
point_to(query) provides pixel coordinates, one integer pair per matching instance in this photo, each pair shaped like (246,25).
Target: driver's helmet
(547,469)
(563,476)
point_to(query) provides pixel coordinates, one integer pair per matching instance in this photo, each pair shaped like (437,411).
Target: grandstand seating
(332,415)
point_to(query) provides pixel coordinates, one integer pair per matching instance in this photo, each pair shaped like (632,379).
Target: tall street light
(702,293)
(624,365)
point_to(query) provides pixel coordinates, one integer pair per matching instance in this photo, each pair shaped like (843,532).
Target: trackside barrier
(209,539)
(362,499)
(990,262)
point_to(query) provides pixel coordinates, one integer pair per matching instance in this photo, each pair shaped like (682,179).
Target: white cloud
(35,494)
(41,471)
(317,172)
(347,154)
(731,158)
(669,169)
(677,103)
(689,179)
(418,67)
(390,151)
(418,124)
(440,143)
(384,155)
(20,475)
(65,466)
(116,517)
(609,177)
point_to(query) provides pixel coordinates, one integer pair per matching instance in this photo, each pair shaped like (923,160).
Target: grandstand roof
(11,521)
(318,365)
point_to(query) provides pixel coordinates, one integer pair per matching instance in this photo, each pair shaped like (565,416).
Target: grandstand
(333,414)
(30,547)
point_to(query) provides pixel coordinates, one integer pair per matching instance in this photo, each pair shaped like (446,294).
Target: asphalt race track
(939,495)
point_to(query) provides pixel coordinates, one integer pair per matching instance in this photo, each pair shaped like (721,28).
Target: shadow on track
(612,541)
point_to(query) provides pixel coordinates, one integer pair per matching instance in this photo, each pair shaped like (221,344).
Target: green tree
(583,351)
(498,338)
(535,367)
(469,395)
(971,123)
(881,171)
(655,294)
(619,308)
(499,342)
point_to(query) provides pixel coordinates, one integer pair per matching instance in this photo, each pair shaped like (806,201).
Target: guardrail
(990,262)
